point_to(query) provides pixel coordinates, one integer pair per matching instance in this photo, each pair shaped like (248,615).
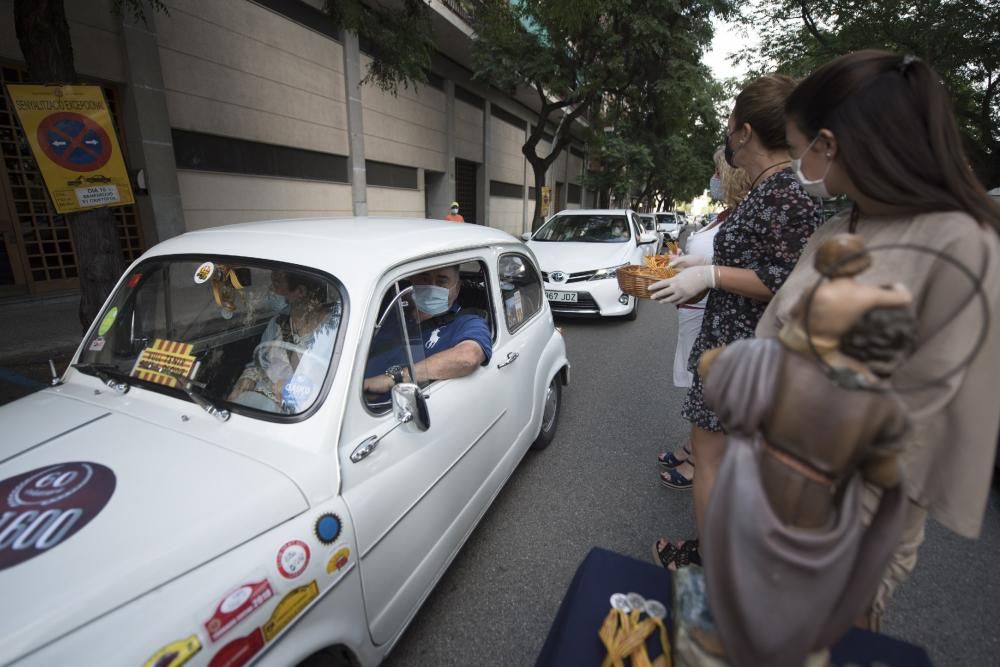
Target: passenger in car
(290,362)
(456,341)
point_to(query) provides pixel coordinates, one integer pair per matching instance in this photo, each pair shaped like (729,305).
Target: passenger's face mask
(431,299)
(715,188)
(816,187)
(454,211)
(276,302)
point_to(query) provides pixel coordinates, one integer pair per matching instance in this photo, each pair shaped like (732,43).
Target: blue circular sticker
(42,508)
(328,528)
(298,392)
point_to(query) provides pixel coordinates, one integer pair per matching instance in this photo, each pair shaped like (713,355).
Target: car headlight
(610,272)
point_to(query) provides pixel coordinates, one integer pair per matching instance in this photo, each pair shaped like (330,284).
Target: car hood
(120,507)
(573,257)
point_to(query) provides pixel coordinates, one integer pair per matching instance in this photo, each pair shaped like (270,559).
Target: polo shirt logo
(435,337)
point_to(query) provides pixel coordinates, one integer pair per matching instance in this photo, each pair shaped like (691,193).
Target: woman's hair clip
(905,63)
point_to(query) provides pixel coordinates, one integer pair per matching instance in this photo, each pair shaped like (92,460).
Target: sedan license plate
(561,297)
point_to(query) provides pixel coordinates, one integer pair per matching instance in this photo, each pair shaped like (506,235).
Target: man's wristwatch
(396,373)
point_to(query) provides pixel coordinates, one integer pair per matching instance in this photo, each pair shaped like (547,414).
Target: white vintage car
(229,473)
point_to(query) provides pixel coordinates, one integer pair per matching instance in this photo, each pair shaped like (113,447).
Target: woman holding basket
(754,251)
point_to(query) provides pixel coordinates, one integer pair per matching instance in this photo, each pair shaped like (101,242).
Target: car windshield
(246,335)
(666,218)
(585,229)
(648,223)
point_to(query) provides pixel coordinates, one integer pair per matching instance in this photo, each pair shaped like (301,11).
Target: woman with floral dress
(753,254)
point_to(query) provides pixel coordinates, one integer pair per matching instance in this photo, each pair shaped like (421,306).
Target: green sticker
(108,321)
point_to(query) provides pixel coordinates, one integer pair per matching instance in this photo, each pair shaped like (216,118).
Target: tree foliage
(625,61)
(399,39)
(960,39)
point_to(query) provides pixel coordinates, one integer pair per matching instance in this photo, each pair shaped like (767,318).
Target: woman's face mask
(454,211)
(816,187)
(715,188)
(431,299)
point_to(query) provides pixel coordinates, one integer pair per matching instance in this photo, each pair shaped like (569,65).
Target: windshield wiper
(193,391)
(100,371)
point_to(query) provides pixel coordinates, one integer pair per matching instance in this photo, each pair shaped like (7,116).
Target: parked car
(170,502)
(580,252)
(670,224)
(648,222)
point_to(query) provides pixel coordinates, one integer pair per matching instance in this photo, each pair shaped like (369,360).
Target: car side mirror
(646,238)
(526,236)
(410,406)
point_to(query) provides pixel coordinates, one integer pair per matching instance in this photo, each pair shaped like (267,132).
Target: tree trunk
(538,168)
(44,37)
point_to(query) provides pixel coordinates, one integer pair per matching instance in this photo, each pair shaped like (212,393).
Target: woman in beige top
(878,128)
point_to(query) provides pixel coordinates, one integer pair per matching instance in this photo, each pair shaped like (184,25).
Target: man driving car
(456,341)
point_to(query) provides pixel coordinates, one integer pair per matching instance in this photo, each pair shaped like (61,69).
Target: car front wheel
(550,415)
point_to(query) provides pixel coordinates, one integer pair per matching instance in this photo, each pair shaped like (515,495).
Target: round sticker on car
(292,558)
(42,508)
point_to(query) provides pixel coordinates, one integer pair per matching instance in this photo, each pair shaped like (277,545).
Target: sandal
(668,460)
(666,555)
(673,479)
(687,554)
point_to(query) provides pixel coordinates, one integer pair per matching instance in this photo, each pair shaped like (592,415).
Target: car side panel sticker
(236,606)
(338,561)
(328,527)
(288,608)
(42,508)
(239,651)
(175,653)
(292,559)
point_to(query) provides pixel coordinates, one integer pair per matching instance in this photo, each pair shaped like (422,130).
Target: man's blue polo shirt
(438,334)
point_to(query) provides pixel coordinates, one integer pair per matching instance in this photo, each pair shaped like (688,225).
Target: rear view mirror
(410,406)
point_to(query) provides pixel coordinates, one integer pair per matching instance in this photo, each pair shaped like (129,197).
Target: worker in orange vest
(454,216)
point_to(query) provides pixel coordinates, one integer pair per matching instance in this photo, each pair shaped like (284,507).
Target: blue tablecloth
(573,641)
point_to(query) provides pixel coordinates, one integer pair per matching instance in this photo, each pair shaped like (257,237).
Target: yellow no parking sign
(74,143)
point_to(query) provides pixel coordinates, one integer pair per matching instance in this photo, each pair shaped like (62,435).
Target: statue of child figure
(789,565)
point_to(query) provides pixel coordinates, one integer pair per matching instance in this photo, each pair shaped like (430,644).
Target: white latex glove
(683,287)
(687,261)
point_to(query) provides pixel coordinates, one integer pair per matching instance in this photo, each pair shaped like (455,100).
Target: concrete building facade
(241,110)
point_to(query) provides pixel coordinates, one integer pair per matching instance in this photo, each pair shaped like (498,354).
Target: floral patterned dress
(766,233)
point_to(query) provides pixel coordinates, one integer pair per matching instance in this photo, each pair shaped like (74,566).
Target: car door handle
(511,358)
(366,447)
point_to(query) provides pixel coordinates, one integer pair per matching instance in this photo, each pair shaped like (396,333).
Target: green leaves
(399,40)
(959,38)
(634,65)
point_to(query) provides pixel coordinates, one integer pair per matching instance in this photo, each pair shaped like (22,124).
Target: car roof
(595,211)
(362,247)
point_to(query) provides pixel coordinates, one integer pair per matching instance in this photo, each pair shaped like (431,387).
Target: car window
(595,228)
(520,289)
(426,322)
(253,336)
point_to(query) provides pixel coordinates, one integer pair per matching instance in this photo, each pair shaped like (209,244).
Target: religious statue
(789,564)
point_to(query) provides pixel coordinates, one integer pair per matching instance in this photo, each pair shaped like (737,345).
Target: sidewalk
(35,329)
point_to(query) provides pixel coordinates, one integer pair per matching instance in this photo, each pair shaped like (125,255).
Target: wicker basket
(635,280)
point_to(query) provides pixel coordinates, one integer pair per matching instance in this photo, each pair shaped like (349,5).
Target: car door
(417,495)
(524,332)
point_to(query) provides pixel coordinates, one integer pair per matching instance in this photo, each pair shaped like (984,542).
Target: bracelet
(718,277)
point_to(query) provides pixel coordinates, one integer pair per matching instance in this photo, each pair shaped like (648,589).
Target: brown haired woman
(878,128)
(754,252)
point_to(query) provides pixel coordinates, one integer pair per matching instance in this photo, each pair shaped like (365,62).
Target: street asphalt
(596,485)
